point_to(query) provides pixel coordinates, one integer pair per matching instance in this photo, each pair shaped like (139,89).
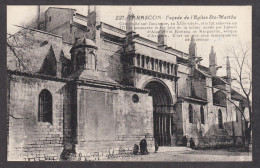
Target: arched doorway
(162,112)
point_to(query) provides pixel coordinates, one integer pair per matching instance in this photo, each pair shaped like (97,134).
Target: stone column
(138,60)
(155,64)
(166,67)
(59,69)
(170,69)
(163,66)
(141,61)
(145,64)
(160,66)
(149,63)
(134,60)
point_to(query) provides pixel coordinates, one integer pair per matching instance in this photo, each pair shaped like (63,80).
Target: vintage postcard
(129,83)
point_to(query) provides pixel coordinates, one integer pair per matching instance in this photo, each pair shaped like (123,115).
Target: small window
(220,119)
(202,118)
(45,106)
(49,18)
(190,114)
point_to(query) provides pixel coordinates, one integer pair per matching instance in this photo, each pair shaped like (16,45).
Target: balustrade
(153,64)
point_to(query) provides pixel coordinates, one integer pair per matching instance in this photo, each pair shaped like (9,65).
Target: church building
(81,89)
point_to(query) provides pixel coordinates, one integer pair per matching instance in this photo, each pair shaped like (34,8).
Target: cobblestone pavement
(186,156)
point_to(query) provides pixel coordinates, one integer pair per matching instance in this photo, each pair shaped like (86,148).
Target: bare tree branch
(243,74)
(16,55)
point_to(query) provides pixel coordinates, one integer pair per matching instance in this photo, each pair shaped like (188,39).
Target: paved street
(189,155)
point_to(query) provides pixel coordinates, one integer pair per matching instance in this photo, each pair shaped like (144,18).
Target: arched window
(220,120)
(202,119)
(190,114)
(45,106)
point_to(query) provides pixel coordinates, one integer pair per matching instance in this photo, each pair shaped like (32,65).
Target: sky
(20,15)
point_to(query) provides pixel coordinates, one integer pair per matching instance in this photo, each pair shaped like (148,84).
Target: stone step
(173,149)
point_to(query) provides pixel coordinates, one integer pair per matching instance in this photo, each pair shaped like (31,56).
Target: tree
(242,73)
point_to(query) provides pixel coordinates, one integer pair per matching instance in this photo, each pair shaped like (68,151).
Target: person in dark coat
(136,149)
(143,147)
(184,140)
(192,143)
(156,146)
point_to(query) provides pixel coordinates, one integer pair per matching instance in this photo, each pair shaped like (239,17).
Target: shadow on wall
(69,109)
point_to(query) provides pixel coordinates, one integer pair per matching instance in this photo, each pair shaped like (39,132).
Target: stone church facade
(85,90)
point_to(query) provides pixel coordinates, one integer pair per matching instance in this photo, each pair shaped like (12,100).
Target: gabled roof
(49,65)
(221,87)
(62,58)
(203,68)
(218,81)
(237,96)
(182,60)
(219,98)
(202,72)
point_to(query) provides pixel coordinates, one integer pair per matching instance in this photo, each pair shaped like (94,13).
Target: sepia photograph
(129,83)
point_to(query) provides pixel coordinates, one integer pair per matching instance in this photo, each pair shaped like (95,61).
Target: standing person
(192,143)
(184,140)
(156,146)
(136,149)
(143,147)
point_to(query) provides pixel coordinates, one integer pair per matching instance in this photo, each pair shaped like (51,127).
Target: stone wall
(199,88)
(192,130)
(69,32)
(110,123)
(209,134)
(109,60)
(58,17)
(184,81)
(29,139)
